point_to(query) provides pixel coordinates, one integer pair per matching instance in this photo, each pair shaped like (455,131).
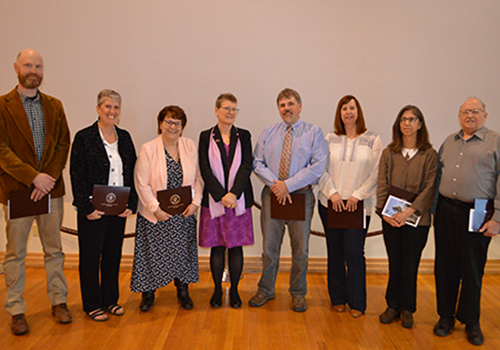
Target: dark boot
(183,295)
(147,300)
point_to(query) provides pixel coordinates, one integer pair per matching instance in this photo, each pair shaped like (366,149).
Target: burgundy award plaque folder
(175,200)
(346,219)
(112,200)
(20,204)
(294,211)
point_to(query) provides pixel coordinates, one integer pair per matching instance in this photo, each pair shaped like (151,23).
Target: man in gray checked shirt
(469,166)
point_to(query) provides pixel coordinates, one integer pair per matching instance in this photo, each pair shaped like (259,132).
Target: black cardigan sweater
(89,166)
(242,183)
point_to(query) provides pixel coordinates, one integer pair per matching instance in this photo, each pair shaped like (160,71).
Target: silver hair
(108,94)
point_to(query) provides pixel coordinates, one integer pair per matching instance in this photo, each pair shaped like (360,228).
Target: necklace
(173,150)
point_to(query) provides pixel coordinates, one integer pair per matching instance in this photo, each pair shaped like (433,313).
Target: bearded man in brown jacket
(34,145)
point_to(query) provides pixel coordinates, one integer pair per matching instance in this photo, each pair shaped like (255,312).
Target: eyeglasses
(410,119)
(175,123)
(229,109)
(474,112)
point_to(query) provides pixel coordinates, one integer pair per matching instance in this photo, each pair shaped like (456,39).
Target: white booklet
(395,205)
(482,212)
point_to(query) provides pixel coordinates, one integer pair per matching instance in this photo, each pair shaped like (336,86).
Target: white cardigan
(150,174)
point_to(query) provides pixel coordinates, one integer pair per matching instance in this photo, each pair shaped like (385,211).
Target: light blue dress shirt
(308,157)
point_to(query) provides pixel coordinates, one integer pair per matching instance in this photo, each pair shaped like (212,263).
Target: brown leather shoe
(19,325)
(299,304)
(356,313)
(389,315)
(339,308)
(406,319)
(260,299)
(61,313)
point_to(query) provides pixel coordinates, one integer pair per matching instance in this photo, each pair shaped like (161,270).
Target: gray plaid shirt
(33,108)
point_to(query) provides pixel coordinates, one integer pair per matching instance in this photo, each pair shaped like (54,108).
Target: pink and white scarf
(214,157)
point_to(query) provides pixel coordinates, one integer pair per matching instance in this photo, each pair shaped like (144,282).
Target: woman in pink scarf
(225,155)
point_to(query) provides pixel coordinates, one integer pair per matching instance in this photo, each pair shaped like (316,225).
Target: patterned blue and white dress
(167,249)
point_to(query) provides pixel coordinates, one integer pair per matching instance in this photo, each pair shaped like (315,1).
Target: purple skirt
(227,230)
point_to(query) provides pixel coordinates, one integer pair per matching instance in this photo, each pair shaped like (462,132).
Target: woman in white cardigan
(350,176)
(165,245)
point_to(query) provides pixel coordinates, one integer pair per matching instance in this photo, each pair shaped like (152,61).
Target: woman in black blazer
(225,156)
(102,154)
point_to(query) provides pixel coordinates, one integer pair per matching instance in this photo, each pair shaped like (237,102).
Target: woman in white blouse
(102,154)
(350,176)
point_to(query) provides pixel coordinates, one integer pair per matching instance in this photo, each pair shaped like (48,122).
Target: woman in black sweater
(102,154)
(225,156)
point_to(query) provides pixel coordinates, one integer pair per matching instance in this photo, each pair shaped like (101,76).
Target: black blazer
(89,166)
(242,181)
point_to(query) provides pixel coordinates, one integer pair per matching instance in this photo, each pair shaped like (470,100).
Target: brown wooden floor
(273,326)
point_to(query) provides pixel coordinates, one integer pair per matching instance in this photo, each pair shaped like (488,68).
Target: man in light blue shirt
(306,165)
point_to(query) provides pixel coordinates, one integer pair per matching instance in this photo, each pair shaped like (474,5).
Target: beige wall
(431,53)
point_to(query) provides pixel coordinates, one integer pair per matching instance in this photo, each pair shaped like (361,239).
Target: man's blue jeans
(272,234)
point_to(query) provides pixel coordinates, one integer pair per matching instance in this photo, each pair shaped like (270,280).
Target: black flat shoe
(216,300)
(444,326)
(474,334)
(235,301)
(235,304)
(148,298)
